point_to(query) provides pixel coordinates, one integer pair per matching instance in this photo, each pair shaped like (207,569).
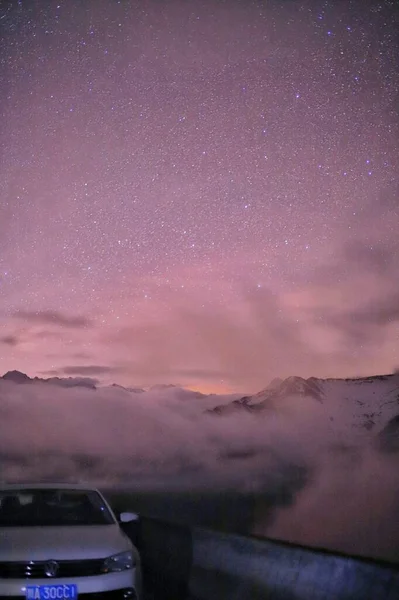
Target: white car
(63,542)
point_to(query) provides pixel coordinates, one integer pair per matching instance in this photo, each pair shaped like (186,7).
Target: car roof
(46,486)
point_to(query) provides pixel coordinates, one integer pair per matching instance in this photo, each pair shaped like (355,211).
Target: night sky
(199,193)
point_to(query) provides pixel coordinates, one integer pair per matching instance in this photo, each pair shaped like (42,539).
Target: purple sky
(202,193)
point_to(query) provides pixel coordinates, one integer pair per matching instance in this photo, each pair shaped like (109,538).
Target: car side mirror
(128,517)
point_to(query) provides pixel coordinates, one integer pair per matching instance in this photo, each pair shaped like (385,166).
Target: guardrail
(183,563)
(238,567)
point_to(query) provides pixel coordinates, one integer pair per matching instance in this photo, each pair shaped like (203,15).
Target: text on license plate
(51,592)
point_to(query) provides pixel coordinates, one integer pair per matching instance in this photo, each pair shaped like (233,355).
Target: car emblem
(51,568)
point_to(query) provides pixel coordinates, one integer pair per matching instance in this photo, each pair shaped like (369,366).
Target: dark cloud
(371,257)
(87,370)
(364,327)
(81,355)
(9,340)
(365,324)
(51,373)
(388,199)
(354,298)
(355,335)
(355,258)
(383,311)
(45,334)
(49,317)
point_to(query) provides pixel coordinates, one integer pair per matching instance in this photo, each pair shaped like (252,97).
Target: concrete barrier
(180,563)
(242,568)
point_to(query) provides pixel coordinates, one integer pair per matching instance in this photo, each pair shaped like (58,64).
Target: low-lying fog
(308,485)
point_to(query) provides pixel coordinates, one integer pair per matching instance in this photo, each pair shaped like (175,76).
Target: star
(161,170)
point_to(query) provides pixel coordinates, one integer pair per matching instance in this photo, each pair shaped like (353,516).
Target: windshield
(52,507)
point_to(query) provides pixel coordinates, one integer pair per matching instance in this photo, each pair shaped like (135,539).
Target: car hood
(61,543)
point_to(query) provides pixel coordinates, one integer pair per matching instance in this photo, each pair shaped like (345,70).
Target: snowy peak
(275,391)
(297,386)
(116,386)
(292,386)
(275,383)
(359,405)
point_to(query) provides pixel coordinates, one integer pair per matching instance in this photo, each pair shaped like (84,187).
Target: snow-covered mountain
(362,405)
(359,407)
(116,386)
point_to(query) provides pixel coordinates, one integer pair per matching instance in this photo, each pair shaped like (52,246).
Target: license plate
(51,592)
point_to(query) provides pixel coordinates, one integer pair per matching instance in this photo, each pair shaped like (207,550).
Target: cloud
(366,323)
(382,311)
(153,439)
(9,340)
(368,257)
(44,334)
(336,319)
(87,370)
(49,317)
(355,260)
(294,464)
(387,200)
(350,504)
(81,355)
(349,305)
(245,344)
(256,335)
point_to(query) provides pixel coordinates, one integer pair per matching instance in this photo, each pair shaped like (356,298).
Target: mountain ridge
(21,378)
(371,402)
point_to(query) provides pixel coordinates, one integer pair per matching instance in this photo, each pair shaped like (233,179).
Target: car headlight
(119,562)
